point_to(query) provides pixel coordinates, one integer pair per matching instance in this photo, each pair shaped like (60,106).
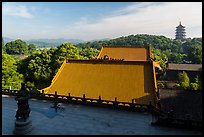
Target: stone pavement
(83,120)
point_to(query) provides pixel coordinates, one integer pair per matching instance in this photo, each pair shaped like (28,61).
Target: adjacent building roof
(126,53)
(187,67)
(133,53)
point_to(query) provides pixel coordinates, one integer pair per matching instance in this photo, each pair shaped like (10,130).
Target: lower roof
(187,67)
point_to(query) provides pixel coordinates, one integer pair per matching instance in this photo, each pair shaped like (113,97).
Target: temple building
(125,73)
(180,32)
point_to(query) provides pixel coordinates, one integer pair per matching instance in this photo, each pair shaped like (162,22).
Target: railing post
(56,101)
(99,100)
(115,104)
(133,105)
(84,98)
(55,94)
(42,95)
(69,98)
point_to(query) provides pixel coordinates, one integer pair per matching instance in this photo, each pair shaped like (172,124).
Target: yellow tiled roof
(125,80)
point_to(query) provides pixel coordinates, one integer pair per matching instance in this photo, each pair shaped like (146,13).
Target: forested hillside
(164,49)
(175,50)
(40,66)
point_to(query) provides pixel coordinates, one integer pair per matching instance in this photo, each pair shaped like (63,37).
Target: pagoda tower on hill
(180,32)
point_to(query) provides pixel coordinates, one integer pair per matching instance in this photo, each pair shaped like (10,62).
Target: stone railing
(160,117)
(84,100)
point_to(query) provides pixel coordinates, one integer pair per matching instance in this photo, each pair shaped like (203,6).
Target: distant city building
(180,32)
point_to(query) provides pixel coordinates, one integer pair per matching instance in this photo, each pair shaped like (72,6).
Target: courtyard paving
(83,120)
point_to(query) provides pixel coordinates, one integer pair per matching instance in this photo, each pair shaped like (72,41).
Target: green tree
(41,66)
(66,50)
(190,42)
(31,48)
(10,76)
(195,54)
(177,57)
(16,47)
(36,68)
(196,85)
(184,80)
(89,53)
(159,56)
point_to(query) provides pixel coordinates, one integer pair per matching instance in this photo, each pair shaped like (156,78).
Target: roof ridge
(115,46)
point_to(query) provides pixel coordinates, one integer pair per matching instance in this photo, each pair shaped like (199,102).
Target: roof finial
(180,23)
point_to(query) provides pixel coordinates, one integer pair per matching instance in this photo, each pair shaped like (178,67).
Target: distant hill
(43,43)
(154,41)
(6,39)
(99,40)
(55,42)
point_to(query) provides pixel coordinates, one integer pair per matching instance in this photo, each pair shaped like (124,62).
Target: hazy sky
(97,20)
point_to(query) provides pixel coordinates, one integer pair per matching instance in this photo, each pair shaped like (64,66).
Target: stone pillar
(23,127)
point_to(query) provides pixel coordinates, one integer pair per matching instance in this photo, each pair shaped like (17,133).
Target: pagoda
(180,32)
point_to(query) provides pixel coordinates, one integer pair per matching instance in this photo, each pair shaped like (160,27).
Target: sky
(99,20)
